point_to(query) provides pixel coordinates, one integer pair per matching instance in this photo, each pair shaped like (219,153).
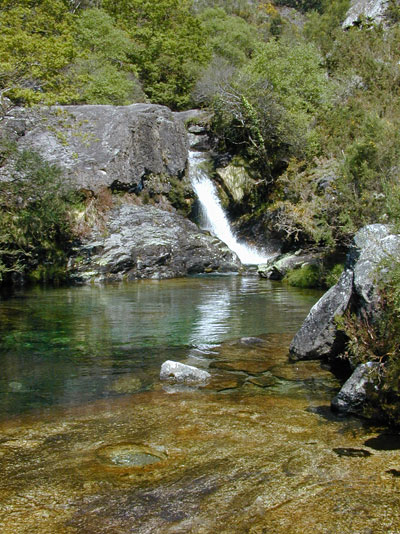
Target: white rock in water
(180,372)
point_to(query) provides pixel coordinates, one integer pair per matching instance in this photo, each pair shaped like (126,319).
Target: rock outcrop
(374,247)
(373,10)
(319,336)
(278,266)
(104,146)
(147,242)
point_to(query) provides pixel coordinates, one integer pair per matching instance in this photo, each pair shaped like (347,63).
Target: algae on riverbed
(247,460)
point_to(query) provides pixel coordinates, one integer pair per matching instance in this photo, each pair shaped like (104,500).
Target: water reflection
(214,312)
(72,344)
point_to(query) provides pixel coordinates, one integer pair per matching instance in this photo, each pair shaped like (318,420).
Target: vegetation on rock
(35,223)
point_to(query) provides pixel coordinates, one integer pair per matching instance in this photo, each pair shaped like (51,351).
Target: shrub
(35,230)
(307,276)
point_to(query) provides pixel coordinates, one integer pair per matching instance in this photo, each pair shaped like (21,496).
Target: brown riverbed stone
(230,463)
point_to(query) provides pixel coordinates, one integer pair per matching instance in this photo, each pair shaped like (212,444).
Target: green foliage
(35,231)
(295,74)
(333,274)
(229,37)
(35,48)
(323,28)
(307,275)
(315,275)
(266,109)
(169,46)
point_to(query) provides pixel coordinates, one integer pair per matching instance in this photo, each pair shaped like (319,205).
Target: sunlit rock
(372,10)
(104,146)
(319,336)
(179,372)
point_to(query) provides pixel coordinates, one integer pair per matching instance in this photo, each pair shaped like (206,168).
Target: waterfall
(212,215)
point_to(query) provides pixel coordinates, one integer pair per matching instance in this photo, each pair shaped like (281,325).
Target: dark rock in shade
(351,452)
(352,398)
(103,146)
(147,242)
(319,337)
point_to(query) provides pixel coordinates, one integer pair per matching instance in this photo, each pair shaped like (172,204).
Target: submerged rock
(147,242)
(179,372)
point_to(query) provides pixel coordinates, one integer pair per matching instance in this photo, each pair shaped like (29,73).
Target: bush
(35,230)
(314,275)
(307,276)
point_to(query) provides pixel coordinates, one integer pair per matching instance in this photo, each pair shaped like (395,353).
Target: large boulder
(147,242)
(103,146)
(278,266)
(373,10)
(319,336)
(371,245)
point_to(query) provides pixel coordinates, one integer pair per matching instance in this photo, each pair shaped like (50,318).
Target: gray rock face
(102,146)
(370,9)
(371,245)
(147,242)
(318,337)
(353,395)
(181,373)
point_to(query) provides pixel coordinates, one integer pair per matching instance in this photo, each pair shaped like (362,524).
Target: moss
(314,275)
(307,276)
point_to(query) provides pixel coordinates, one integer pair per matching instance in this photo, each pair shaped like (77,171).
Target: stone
(371,245)
(179,372)
(236,180)
(251,341)
(352,398)
(319,337)
(99,146)
(147,242)
(373,10)
(278,266)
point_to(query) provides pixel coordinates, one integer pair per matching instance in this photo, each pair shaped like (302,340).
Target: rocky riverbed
(236,456)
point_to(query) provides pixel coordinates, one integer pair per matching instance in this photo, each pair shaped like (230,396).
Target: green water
(69,345)
(91,442)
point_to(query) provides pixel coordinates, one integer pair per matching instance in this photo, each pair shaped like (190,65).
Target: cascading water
(212,215)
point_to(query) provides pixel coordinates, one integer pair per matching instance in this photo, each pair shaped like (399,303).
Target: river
(91,442)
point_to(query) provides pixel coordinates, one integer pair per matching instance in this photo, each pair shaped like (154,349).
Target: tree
(169,46)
